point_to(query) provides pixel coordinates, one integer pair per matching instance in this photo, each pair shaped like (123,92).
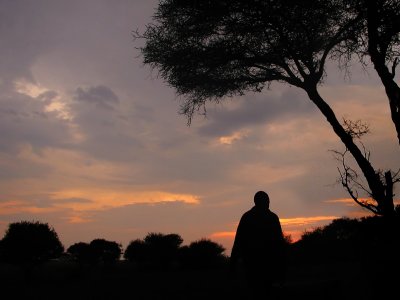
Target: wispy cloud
(102,199)
(18,206)
(234,137)
(349,201)
(301,221)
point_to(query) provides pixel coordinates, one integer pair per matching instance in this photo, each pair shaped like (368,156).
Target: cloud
(252,110)
(25,119)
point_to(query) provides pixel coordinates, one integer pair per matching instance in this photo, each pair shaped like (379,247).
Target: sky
(93,144)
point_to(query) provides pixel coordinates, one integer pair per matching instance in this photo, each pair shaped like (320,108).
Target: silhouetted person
(259,244)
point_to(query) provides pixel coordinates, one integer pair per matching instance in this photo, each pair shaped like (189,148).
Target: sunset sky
(92,142)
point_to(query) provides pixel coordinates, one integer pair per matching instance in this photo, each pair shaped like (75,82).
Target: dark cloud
(47,97)
(100,95)
(72,200)
(256,109)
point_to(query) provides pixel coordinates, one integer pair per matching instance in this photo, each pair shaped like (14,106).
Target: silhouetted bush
(203,254)
(31,242)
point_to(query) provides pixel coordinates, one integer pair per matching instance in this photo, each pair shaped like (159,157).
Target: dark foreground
(66,280)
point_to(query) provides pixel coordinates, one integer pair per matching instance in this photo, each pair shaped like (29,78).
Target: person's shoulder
(248,213)
(273,215)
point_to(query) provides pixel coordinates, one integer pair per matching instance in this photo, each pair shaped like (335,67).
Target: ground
(66,280)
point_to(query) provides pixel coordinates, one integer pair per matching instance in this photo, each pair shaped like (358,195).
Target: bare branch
(356,129)
(394,66)
(348,177)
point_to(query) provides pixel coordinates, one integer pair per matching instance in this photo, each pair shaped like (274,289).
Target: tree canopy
(212,49)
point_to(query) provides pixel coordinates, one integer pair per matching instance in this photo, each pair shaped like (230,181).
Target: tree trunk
(378,59)
(378,189)
(388,203)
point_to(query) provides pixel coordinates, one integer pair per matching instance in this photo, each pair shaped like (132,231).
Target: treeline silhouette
(159,250)
(34,242)
(343,239)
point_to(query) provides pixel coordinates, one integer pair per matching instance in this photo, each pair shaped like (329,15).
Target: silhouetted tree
(397,210)
(137,251)
(105,251)
(350,239)
(81,252)
(374,35)
(155,250)
(1,250)
(203,253)
(288,239)
(30,242)
(208,50)
(162,248)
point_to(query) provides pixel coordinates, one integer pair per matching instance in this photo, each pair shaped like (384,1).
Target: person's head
(261,199)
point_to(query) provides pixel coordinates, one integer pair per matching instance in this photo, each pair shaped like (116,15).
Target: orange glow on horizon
(223,234)
(294,227)
(76,204)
